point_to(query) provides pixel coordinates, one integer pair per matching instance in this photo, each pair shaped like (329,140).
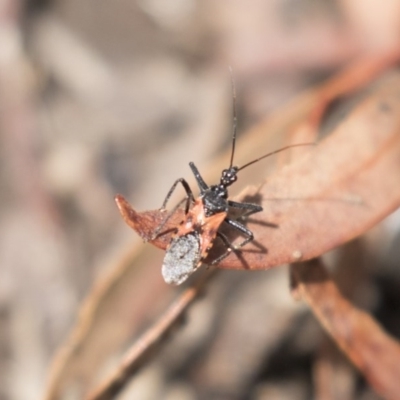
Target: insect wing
(182,258)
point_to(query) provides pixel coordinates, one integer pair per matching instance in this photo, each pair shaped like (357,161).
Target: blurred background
(105,97)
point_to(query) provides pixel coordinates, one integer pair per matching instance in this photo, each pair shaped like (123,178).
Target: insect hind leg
(230,246)
(241,228)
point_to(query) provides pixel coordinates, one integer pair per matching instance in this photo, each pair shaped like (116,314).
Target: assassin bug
(195,235)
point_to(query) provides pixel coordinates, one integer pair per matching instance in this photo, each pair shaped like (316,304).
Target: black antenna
(234,117)
(235,129)
(274,152)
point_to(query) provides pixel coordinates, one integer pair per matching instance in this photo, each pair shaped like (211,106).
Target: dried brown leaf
(336,192)
(373,351)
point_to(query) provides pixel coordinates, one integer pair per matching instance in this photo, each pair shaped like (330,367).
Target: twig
(142,349)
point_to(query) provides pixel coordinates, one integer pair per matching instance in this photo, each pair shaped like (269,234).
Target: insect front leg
(189,194)
(189,199)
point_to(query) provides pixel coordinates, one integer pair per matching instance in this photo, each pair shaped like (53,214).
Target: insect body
(191,244)
(197,232)
(195,235)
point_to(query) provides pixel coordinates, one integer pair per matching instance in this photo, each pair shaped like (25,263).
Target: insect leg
(249,207)
(228,244)
(247,232)
(200,181)
(189,198)
(159,228)
(189,194)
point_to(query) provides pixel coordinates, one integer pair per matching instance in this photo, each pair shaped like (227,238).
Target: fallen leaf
(335,192)
(375,353)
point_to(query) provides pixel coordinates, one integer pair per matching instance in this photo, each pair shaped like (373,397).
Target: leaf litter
(332,194)
(329,196)
(375,353)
